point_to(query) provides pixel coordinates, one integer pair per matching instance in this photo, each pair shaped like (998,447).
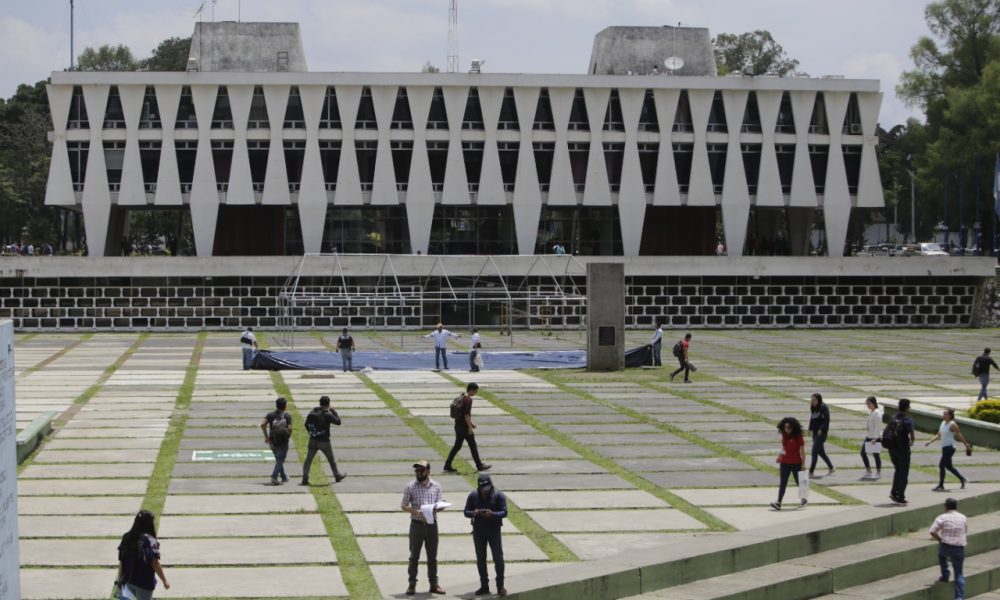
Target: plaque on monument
(10,584)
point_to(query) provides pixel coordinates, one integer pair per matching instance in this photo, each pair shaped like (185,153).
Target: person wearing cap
(487,507)
(441,336)
(422,490)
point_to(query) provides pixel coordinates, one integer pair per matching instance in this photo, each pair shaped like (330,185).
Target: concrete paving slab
(755,496)
(103,444)
(711,479)
(595,546)
(459,580)
(87,471)
(585,499)
(450,521)
(651,450)
(254,582)
(59,505)
(714,463)
(63,526)
(189,526)
(231,485)
(595,481)
(764,516)
(81,487)
(242,504)
(615,520)
(456,548)
(69,552)
(135,455)
(48,583)
(293,468)
(248,551)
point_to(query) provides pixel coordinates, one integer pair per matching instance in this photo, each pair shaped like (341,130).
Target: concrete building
(270,159)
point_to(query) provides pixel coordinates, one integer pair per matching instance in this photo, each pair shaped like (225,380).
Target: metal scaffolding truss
(364,284)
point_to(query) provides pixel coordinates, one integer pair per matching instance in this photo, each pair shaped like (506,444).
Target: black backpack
(456,407)
(679,349)
(315,425)
(894,435)
(976,367)
(279,431)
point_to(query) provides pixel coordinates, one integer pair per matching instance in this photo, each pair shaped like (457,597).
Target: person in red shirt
(793,455)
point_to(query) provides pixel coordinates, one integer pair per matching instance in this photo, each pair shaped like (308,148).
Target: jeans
(134,592)
(347,359)
(947,452)
(901,462)
(280,453)
(462,434)
(685,366)
(247,358)
(472,361)
(818,451)
(956,554)
(984,381)
(786,471)
(864,456)
(440,354)
(422,534)
(656,354)
(327,450)
(480,540)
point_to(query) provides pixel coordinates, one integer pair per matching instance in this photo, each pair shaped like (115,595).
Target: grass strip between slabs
(675,501)
(159,481)
(353,566)
(48,361)
(546,542)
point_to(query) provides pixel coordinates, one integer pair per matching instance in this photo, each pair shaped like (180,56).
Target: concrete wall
(605,317)
(253,47)
(620,50)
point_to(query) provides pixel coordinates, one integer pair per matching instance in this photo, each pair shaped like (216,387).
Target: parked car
(931,249)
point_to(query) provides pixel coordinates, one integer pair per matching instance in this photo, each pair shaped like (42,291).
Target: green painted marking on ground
(354,568)
(546,542)
(232,455)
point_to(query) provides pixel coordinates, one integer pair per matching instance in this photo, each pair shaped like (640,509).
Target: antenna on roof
(452,36)
(674,63)
(72,55)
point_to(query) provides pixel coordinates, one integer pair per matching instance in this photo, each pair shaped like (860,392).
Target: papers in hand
(428,510)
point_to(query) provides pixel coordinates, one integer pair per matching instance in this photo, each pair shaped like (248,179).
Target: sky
(865,39)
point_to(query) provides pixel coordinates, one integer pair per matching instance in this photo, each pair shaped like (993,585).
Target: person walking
(345,345)
(897,437)
(420,492)
(487,507)
(657,344)
(819,429)
(951,529)
(981,369)
(461,411)
(948,432)
(872,442)
(792,457)
(139,560)
(277,428)
(681,349)
(475,348)
(318,425)
(441,336)
(248,341)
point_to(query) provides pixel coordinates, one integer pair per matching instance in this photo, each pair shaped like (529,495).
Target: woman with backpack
(792,457)
(948,432)
(819,428)
(139,560)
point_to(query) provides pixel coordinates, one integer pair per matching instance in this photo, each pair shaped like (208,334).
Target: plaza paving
(592,464)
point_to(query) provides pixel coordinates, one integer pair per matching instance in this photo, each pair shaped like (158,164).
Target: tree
(429,68)
(170,55)
(107,58)
(752,53)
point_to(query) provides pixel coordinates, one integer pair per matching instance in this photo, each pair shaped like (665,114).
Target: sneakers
(672,375)
(483,591)
(831,471)
(484,467)
(803,502)
(339,478)
(411,590)
(502,591)
(964,481)
(776,505)
(450,469)
(274,481)
(304,482)
(939,488)
(897,499)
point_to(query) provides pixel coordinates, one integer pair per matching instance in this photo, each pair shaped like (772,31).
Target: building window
(77,110)
(473,230)
(852,165)
(437,159)
(149,157)
(508,111)
(717,165)
(295,154)
(473,117)
(648,121)
(366,111)
(683,155)
(649,154)
(852,120)
(751,117)
(329,117)
(222,116)
(818,123)
(149,118)
(402,156)
(367,230)
(401,116)
(114,116)
(222,159)
(78,152)
(682,118)
(114,158)
(786,165)
(508,163)
(578,113)
(186,118)
(614,157)
(582,230)
(258,150)
(717,115)
(818,157)
(786,117)
(579,153)
(751,165)
(258,110)
(543,112)
(294,117)
(472,153)
(613,119)
(329,156)
(437,117)
(366,152)
(544,153)
(186,153)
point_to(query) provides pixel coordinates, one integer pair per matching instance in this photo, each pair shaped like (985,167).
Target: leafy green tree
(107,58)
(170,55)
(429,68)
(753,53)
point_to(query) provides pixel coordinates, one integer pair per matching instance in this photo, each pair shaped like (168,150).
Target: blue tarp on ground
(400,361)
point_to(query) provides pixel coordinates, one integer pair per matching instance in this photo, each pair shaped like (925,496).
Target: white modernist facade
(531,146)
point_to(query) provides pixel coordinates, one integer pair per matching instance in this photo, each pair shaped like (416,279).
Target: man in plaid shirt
(950,530)
(420,491)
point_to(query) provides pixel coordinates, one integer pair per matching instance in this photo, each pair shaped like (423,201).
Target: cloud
(38,52)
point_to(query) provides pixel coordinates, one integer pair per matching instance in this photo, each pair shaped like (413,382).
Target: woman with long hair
(792,457)
(948,432)
(139,560)
(819,428)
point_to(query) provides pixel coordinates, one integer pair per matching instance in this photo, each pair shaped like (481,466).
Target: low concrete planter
(978,433)
(29,437)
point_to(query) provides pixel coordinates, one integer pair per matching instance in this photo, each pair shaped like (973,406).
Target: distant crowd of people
(29,249)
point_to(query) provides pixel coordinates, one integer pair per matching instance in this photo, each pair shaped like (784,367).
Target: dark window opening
(544,154)
(786,165)
(437,159)
(402,156)
(114,158)
(295,118)
(222,159)
(257,231)
(401,116)
(366,111)
(149,118)
(258,110)
(717,165)
(648,121)
(717,115)
(114,116)
(149,159)
(294,245)
(186,153)
(683,155)
(258,149)
(679,231)
(473,230)
(367,230)
(818,123)
(613,119)
(437,117)
(818,157)
(543,112)
(649,154)
(472,153)
(682,118)
(367,153)
(329,157)
(751,165)
(578,112)
(77,110)
(852,164)
(582,230)
(78,152)
(852,120)
(186,118)
(614,157)
(508,163)
(222,116)
(579,152)
(473,117)
(508,111)
(751,118)
(329,117)
(786,117)
(295,155)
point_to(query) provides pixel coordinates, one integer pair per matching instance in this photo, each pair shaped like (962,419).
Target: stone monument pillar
(10,582)
(605,316)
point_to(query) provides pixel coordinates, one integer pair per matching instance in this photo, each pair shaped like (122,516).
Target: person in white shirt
(474,349)
(657,344)
(249,343)
(950,530)
(441,336)
(873,433)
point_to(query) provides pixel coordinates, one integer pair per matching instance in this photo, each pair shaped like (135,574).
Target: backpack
(894,436)
(315,425)
(975,368)
(679,349)
(456,407)
(279,431)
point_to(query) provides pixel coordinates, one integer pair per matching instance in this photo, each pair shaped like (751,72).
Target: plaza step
(855,571)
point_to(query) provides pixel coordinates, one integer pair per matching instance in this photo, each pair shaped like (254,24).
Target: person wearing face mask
(422,491)
(487,507)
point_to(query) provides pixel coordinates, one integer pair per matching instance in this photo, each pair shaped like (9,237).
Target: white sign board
(10,584)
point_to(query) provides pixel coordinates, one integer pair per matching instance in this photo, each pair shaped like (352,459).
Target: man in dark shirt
(487,507)
(463,432)
(981,369)
(900,453)
(318,425)
(277,440)
(345,345)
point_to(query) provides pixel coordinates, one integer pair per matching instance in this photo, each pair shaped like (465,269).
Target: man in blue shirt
(487,507)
